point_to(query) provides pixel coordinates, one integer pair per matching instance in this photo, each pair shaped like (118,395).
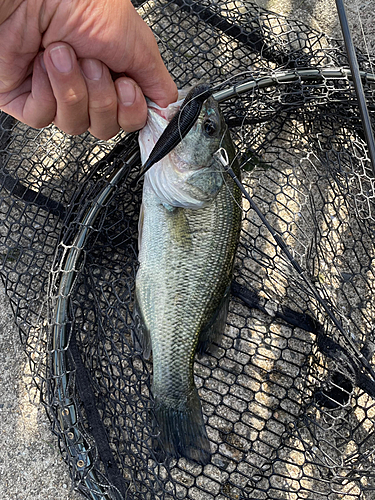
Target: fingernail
(92,68)
(127,92)
(62,59)
(41,59)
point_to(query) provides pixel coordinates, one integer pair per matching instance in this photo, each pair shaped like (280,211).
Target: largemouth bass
(189,228)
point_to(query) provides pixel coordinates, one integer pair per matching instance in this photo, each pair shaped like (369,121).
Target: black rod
(353,63)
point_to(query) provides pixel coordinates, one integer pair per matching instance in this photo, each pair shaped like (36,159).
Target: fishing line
(221,170)
(222,156)
(228,188)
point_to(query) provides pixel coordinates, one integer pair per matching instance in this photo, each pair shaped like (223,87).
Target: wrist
(7,7)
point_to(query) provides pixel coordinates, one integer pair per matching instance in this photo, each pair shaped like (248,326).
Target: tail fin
(182,430)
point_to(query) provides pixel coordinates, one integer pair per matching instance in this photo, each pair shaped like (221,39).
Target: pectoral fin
(140,335)
(214,329)
(179,228)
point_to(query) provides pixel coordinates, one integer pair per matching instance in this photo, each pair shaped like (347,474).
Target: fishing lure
(179,126)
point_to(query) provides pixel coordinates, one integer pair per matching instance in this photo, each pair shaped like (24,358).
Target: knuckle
(72,99)
(103,105)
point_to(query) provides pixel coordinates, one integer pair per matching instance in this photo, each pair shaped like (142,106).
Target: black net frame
(288,396)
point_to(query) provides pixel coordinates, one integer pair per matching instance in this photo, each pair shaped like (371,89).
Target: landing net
(288,398)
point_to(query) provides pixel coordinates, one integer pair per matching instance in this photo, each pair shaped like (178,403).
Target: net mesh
(288,396)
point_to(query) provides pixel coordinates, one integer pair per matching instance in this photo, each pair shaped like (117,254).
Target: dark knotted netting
(288,397)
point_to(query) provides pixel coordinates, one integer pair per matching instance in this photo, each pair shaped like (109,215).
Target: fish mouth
(167,113)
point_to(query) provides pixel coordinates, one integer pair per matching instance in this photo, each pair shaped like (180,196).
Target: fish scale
(186,263)
(191,294)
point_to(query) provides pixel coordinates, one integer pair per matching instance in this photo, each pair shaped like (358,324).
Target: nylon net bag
(288,396)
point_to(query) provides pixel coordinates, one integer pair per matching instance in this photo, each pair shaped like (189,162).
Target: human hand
(69,83)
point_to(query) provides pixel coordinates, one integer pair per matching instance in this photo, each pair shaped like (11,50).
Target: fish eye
(210,127)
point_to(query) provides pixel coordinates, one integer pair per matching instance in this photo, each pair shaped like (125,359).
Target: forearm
(7,7)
